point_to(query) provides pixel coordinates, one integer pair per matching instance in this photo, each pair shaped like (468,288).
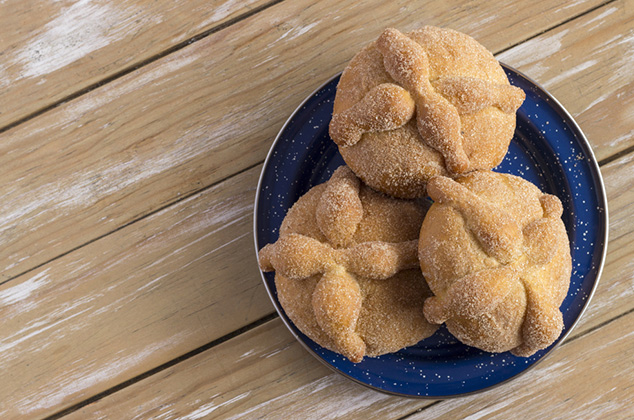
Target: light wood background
(132,135)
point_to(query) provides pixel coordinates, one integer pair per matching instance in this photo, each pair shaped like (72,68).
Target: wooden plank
(265,373)
(201,114)
(615,292)
(584,64)
(130,301)
(50,50)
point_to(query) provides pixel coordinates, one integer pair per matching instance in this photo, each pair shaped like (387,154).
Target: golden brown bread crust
(347,271)
(495,253)
(431,102)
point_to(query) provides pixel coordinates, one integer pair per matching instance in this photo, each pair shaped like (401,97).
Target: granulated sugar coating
(347,271)
(432,102)
(495,252)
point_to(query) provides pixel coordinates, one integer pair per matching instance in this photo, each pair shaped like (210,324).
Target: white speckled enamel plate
(548,149)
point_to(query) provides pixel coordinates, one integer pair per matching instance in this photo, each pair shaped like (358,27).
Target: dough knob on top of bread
(471,296)
(470,94)
(337,304)
(496,255)
(298,256)
(341,192)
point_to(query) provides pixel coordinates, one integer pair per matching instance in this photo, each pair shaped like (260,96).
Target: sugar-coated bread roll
(413,106)
(496,255)
(346,268)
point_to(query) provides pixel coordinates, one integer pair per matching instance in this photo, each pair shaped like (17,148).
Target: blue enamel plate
(548,149)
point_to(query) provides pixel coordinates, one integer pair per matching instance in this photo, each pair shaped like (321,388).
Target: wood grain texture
(616,287)
(50,50)
(263,374)
(201,114)
(584,64)
(266,374)
(130,301)
(267,371)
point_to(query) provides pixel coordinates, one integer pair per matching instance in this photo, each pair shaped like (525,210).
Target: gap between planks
(563,22)
(616,156)
(138,65)
(138,219)
(162,367)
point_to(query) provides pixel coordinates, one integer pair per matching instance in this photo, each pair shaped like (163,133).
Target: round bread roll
(346,268)
(496,255)
(412,106)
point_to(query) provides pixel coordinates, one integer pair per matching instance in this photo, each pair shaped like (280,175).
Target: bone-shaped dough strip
(385,107)
(472,295)
(543,321)
(551,206)
(497,231)
(541,235)
(381,260)
(337,304)
(298,256)
(469,94)
(437,120)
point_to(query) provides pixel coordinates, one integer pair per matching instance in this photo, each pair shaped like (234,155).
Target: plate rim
(601,195)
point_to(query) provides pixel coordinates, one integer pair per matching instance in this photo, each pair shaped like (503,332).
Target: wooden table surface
(132,135)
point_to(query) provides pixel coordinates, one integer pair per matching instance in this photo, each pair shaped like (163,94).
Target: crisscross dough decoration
(337,298)
(437,103)
(497,231)
(502,239)
(385,107)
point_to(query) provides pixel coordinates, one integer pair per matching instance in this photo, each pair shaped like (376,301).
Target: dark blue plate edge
(602,199)
(278,308)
